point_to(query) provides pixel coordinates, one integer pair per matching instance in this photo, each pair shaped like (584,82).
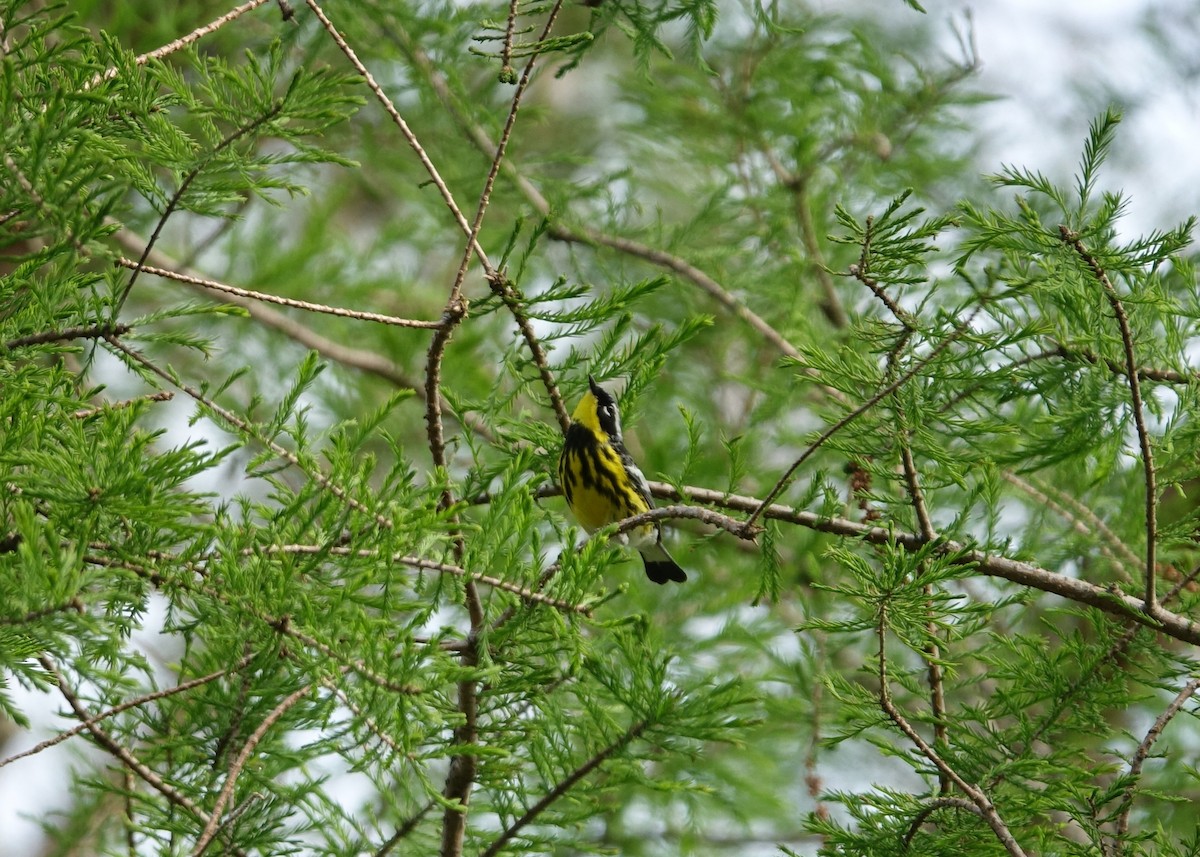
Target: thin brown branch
(976,795)
(506,52)
(74,605)
(307,306)
(932,652)
(191,175)
(435,431)
(564,786)
(1144,373)
(678,265)
(126,758)
(731,525)
(1146,745)
(1106,598)
(404,829)
(832,304)
(861,272)
(508,293)
(136,702)
(183,41)
(405,131)
(87,413)
(932,807)
(903,379)
(239,764)
(92,331)
(1139,418)
(361,359)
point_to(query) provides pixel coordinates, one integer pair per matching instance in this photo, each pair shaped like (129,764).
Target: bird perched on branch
(603,485)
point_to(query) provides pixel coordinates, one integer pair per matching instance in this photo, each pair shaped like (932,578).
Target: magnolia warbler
(603,485)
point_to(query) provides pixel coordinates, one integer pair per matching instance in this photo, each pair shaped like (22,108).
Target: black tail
(660,567)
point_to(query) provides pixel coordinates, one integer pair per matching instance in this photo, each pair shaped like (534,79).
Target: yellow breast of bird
(596,487)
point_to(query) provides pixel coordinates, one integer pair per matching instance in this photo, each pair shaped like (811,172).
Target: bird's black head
(607,414)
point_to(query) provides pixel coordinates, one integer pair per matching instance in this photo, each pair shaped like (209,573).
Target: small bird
(603,485)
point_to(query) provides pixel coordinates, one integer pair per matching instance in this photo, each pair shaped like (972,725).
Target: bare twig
(508,293)
(87,413)
(832,304)
(731,525)
(361,359)
(676,264)
(308,306)
(404,829)
(932,650)
(1109,599)
(932,807)
(1144,373)
(861,272)
(405,131)
(1073,240)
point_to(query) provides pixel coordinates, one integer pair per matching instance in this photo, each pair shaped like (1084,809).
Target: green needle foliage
(295,303)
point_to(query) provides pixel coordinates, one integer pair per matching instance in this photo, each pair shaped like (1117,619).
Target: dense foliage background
(296,299)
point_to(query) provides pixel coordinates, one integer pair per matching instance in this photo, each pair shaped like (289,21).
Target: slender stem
(94,331)
(786,478)
(932,807)
(1109,599)
(136,702)
(1147,743)
(183,41)
(976,795)
(405,131)
(564,786)
(177,197)
(308,306)
(1139,419)
(239,764)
